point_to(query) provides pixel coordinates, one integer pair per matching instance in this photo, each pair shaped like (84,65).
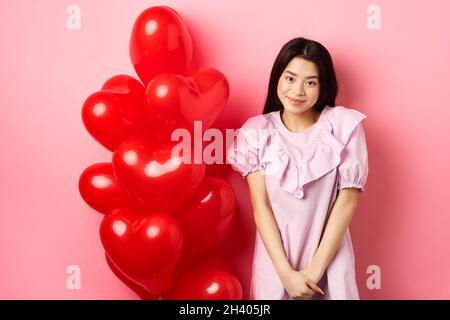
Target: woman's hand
(313,273)
(298,284)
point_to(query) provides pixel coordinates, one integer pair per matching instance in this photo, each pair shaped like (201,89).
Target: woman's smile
(295,102)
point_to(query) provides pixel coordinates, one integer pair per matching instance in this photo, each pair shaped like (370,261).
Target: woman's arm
(297,284)
(265,222)
(338,221)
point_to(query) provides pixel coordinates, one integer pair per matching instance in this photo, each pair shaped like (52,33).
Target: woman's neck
(299,122)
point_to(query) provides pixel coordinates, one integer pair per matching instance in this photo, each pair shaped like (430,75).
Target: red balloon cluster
(160,213)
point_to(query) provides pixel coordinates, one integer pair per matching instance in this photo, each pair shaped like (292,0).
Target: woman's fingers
(309,292)
(313,286)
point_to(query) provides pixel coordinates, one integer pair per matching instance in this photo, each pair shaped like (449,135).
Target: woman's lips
(295,101)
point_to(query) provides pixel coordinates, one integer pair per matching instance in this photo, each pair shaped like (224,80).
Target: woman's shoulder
(258,122)
(344,120)
(347,114)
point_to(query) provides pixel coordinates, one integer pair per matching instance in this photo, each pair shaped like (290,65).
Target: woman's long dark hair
(312,51)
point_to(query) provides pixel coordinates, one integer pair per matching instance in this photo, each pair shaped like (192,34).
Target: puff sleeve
(244,153)
(354,167)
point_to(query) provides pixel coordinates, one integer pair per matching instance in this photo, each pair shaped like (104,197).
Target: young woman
(305,161)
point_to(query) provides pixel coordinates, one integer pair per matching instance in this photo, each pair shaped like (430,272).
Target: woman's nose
(298,89)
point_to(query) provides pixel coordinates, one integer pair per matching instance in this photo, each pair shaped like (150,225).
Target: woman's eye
(289,78)
(310,83)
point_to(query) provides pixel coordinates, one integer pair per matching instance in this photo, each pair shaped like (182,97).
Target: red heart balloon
(160,43)
(146,247)
(175,101)
(127,85)
(140,291)
(100,189)
(207,217)
(152,174)
(116,113)
(198,281)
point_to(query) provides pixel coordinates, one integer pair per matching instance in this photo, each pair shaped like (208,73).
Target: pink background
(394,75)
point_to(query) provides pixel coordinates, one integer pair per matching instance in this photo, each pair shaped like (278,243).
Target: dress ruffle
(321,156)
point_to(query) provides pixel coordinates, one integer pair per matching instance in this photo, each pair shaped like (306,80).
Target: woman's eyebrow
(309,77)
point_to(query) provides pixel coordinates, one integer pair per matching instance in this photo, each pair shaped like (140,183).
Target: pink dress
(303,173)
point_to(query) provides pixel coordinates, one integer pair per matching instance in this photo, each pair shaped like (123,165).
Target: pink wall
(394,75)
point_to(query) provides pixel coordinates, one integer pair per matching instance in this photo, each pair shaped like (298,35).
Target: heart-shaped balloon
(160,43)
(207,216)
(156,177)
(127,85)
(146,247)
(175,101)
(117,112)
(140,291)
(135,92)
(199,281)
(100,189)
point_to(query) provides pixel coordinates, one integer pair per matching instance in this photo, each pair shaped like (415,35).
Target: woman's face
(298,86)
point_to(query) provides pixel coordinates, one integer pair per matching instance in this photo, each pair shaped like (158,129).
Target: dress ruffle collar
(322,155)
